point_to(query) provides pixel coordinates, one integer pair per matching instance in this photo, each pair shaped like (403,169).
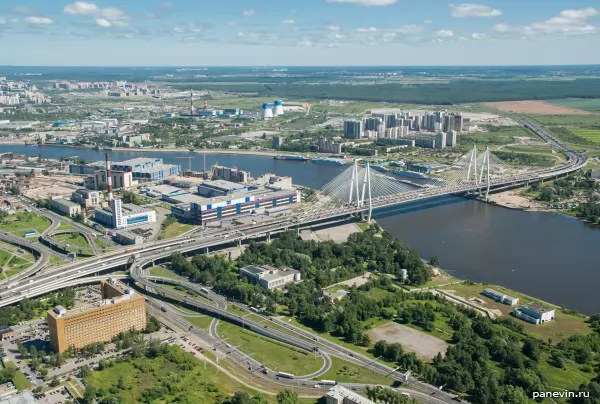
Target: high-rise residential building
(458,123)
(353,129)
(121,309)
(440,140)
(373,124)
(277,141)
(327,146)
(451,138)
(448,123)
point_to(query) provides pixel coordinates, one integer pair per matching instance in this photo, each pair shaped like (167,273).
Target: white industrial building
(534,313)
(66,207)
(121,216)
(87,198)
(500,297)
(341,395)
(269,277)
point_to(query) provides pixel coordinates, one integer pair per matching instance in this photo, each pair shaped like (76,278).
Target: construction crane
(190,158)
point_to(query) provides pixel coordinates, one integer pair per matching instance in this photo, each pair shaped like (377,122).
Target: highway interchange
(40,279)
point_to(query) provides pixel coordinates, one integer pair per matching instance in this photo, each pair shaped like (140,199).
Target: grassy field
(346,372)
(586,104)
(500,136)
(165,273)
(22,222)
(200,322)
(200,384)
(174,230)
(75,241)
(275,355)
(593,135)
(19,379)
(563,326)
(13,260)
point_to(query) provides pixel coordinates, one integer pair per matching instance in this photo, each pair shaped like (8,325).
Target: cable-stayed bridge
(361,189)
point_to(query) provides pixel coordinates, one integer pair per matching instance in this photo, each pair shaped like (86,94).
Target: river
(553,257)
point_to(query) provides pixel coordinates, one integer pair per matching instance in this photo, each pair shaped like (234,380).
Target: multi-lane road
(138,257)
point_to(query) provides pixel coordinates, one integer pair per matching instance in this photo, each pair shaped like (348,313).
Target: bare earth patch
(358,281)
(536,107)
(512,199)
(425,346)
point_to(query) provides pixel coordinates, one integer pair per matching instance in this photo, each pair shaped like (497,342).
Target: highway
(138,257)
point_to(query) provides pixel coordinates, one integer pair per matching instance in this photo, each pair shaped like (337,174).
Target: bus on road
(286,375)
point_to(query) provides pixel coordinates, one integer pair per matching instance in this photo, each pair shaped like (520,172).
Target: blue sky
(306,32)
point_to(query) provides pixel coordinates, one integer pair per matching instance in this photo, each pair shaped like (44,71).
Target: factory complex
(224,193)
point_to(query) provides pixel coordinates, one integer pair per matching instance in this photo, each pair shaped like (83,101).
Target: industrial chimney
(278,108)
(267,111)
(109,178)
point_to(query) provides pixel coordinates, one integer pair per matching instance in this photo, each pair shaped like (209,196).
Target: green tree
(241,397)
(434,261)
(287,397)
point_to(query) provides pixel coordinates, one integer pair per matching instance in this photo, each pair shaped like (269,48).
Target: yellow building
(121,309)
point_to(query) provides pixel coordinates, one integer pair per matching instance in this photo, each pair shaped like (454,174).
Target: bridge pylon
(361,188)
(485,169)
(473,165)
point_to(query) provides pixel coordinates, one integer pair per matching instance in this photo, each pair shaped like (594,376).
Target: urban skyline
(313,32)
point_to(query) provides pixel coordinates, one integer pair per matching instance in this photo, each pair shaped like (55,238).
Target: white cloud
(81,8)
(445,33)
(119,24)
(502,28)
(288,21)
(249,13)
(409,29)
(179,30)
(427,22)
(113,14)
(366,2)
(473,10)
(241,34)
(368,29)
(85,8)
(478,35)
(232,23)
(340,36)
(104,23)
(334,27)
(2,21)
(39,20)
(305,43)
(568,22)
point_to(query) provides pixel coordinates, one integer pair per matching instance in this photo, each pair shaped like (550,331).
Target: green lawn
(174,230)
(64,226)
(75,241)
(593,135)
(200,322)
(14,260)
(563,326)
(198,384)
(378,294)
(346,372)
(275,355)
(22,222)
(165,273)
(568,378)
(19,379)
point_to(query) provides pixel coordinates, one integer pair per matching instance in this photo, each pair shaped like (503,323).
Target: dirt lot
(358,281)
(535,107)
(512,199)
(423,345)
